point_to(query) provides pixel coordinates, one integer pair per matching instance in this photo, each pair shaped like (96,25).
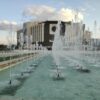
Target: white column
(38,32)
(32,33)
(35,34)
(42,32)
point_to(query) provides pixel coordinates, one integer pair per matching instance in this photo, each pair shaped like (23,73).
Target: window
(54,28)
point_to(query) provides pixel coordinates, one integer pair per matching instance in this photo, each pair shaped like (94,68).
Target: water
(40,86)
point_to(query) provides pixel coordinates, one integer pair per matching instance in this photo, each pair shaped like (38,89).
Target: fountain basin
(82,69)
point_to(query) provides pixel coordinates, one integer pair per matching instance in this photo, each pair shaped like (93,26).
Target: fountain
(21,76)
(56,50)
(9,87)
(57,86)
(33,65)
(82,69)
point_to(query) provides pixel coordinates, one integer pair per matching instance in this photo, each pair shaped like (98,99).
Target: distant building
(74,35)
(95,44)
(20,39)
(42,33)
(38,32)
(87,40)
(87,37)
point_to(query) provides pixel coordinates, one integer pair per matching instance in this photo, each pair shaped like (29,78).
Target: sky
(13,12)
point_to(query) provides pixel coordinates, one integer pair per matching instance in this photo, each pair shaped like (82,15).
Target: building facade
(42,33)
(95,44)
(20,39)
(38,32)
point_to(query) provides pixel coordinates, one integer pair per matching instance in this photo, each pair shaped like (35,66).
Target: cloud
(43,12)
(37,11)
(66,14)
(8,25)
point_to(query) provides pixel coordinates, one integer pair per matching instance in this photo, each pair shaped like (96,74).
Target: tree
(3,47)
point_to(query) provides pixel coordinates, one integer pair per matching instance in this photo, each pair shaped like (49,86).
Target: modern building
(87,37)
(20,39)
(42,33)
(95,44)
(38,32)
(74,35)
(87,40)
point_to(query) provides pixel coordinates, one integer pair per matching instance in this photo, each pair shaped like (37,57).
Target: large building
(20,39)
(95,44)
(74,34)
(38,32)
(42,33)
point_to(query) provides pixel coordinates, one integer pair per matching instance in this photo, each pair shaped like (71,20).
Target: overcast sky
(12,12)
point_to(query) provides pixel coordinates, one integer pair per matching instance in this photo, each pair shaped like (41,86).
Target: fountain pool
(40,86)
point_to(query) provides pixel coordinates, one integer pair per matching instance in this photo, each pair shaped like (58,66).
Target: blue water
(40,85)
